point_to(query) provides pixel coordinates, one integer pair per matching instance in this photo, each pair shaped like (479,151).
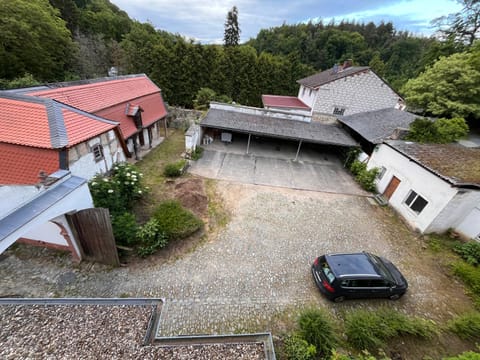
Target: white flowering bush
(118,191)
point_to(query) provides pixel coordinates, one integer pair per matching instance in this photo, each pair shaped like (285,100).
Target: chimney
(347,63)
(335,69)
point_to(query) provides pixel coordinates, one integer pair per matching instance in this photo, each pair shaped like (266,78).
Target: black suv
(358,275)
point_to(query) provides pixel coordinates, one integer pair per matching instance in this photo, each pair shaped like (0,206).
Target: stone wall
(180,118)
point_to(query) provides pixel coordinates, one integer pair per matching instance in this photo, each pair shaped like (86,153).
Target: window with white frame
(415,202)
(97,151)
(338,110)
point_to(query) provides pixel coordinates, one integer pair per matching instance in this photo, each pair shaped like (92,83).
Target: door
(392,186)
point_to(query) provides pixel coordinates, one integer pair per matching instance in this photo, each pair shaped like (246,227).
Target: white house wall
(356,93)
(470,226)
(436,191)
(307,95)
(47,232)
(82,161)
(456,212)
(14,196)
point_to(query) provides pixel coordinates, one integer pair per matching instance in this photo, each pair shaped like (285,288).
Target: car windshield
(328,273)
(382,269)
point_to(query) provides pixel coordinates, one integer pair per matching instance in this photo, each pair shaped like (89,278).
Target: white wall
(436,191)
(470,226)
(303,112)
(307,95)
(14,196)
(357,93)
(192,138)
(83,164)
(47,232)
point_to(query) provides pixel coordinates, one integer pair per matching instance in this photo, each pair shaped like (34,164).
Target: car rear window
(382,269)
(327,272)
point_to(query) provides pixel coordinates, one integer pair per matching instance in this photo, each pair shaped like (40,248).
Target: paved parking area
(272,163)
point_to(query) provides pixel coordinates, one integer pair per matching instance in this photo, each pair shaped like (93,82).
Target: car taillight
(315,262)
(327,286)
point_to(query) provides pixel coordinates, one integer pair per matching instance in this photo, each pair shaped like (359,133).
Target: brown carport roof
(264,125)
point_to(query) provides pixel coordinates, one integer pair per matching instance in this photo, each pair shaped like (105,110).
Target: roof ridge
(56,124)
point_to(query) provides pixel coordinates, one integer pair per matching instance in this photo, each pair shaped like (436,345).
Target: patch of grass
(370,330)
(175,169)
(217,214)
(470,275)
(466,326)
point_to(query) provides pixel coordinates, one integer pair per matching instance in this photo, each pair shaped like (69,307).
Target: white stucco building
(433,187)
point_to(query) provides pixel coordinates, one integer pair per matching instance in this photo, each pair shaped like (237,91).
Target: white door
(470,226)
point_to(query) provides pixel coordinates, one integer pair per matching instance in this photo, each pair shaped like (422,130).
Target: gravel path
(255,269)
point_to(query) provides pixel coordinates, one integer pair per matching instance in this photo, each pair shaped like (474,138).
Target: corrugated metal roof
(378,125)
(35,207)
(454,163)
(271,126)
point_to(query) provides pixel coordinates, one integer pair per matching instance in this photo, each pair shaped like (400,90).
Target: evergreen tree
(232,30)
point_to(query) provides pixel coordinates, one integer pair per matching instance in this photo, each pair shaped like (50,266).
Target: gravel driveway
(254,270)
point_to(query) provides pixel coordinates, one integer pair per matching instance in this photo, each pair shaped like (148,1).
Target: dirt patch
(191,194)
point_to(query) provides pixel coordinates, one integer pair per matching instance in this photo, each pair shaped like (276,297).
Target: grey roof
(376,126)
(330,75)
(276,127)
(454,163)
(34,208)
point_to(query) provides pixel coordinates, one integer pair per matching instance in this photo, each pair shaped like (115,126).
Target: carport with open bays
(268,150)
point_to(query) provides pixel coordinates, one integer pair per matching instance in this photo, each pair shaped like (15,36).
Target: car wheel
(395,296)
(339,299)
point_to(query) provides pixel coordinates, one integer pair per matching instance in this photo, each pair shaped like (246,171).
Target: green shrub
(366,178)
(117,192)
(317,329)
(124,228)
(466,326)
(297,348)
(197,153)
(469,251)
(469,274)
(150,238)
(369,330)
(174,169)
(174,221)
(469,355)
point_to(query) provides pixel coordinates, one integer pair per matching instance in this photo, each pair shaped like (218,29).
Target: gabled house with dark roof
(371,128)
(347,90)
(434,187)
(133,101)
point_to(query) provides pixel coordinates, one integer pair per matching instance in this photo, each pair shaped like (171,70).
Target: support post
(298,150)
(248,143)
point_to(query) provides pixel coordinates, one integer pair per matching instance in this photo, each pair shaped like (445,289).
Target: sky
(203,21)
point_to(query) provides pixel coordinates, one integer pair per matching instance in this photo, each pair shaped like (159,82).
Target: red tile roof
(24,123)
(81,127)
(46,123)
(20,165)
(109,98)
(100,95)
(290,102)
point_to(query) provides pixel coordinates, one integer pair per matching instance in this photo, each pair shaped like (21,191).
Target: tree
(450,88)
(232,30)
(33,39)
(441,131)
(463,26)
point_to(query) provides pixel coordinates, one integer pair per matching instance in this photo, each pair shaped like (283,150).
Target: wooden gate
(95,234)
(392,186)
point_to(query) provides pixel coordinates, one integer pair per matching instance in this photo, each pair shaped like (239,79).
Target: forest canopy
(57,40)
